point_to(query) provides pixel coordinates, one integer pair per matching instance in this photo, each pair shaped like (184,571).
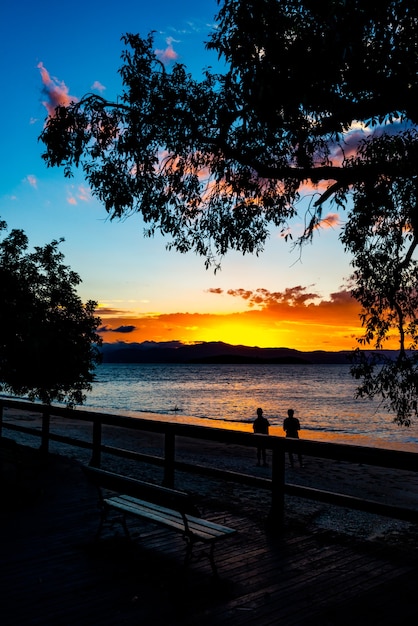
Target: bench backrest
(171,498)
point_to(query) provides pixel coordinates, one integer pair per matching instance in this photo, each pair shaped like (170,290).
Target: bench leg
(104,519)
(125,526)
(210,554)
(189,551)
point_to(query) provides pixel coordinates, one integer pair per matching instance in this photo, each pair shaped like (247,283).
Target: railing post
(97,443)
(46,419)
(275,520)
(169,457)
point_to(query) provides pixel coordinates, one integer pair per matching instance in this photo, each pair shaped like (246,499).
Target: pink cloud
(169,54)
(97,86)
(56,91)
(357,134)
(31,179)
(82,193)
(348,147)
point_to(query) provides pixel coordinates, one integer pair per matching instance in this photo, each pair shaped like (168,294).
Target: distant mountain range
(213,352)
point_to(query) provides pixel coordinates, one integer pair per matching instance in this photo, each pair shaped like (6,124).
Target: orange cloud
(295,318)
(291,296)
(56,91)
(332,220)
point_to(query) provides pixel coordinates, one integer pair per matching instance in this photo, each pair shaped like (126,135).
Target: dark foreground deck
(53,573)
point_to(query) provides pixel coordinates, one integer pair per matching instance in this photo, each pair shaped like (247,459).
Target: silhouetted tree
(48,340)
(315,92)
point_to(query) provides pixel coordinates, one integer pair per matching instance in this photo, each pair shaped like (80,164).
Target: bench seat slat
(201,529)
(198,521)
(174,520)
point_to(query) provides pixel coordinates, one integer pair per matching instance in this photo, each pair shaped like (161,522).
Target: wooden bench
(168,507)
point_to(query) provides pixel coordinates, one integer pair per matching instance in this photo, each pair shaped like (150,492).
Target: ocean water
(227,396)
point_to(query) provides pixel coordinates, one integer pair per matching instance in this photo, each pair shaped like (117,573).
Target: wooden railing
(279,446)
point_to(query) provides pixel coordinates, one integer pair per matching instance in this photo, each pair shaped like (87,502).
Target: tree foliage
(48,340)
(314,92)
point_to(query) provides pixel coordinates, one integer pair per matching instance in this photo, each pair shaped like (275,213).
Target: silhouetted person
(261,427)
(291,426)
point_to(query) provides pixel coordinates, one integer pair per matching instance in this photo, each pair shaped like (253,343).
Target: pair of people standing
(291,426)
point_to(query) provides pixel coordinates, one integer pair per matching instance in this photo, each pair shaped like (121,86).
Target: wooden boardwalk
(53,573)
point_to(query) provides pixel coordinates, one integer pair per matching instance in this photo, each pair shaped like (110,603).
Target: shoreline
(277,430)
(305,433)
(309,434)
(389,436)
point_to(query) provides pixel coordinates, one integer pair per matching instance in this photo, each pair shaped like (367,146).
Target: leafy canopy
(315,92)
(48,340)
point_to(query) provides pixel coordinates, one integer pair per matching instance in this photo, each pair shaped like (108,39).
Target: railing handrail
(382,457)
(279,446)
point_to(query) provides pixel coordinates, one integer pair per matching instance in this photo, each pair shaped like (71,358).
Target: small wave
(325,429)
(212,418)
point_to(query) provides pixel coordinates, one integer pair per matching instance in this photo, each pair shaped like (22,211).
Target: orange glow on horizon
(330,325)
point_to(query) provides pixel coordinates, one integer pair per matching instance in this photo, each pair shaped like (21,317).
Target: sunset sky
(282,298)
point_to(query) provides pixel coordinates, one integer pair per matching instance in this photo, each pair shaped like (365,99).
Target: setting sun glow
(278,320)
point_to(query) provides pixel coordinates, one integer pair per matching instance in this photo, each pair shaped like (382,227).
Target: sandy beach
(384,485)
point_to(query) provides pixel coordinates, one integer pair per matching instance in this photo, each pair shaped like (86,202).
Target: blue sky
(78,46)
